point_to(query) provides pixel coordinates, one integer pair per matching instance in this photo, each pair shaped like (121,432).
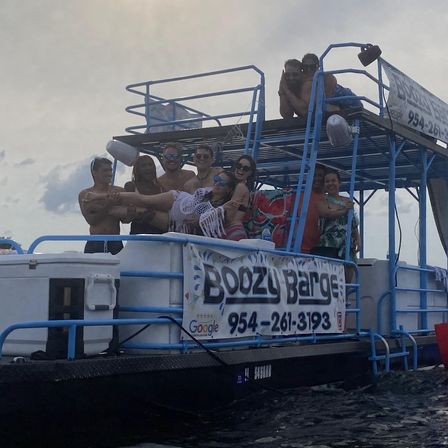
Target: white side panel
(374,282)
(161,257)
(24,296)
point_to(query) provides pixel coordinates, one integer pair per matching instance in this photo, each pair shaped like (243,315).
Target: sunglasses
(220,181)
(241,167)
(202,156)
(171,156)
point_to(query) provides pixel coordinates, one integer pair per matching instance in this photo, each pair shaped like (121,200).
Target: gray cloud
(62,186)
(405,204)
(25,162)
(2,155)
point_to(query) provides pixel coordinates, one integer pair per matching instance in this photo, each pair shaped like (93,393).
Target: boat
(191,323)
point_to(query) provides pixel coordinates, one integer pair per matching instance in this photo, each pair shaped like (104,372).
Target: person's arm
(126,214)
(330,84)
(95,211)
(356,240)
(240,197)
(325,211)
(189,186)
(290,103)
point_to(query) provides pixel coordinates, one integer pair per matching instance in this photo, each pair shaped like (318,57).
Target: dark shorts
(94,247)
(329,252)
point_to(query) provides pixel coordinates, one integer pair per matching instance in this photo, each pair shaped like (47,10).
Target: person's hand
(232,205)
(356,244)
(283,87)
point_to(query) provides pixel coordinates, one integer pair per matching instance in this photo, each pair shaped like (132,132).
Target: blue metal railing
(422,309)
(14,245)
(150,101)
(251,341)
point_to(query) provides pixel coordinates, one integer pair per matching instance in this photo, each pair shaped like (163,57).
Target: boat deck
(281,146)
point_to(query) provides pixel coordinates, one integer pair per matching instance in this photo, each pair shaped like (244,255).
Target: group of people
(295,88)
(212,202)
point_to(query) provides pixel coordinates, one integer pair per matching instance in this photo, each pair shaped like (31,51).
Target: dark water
(403,409)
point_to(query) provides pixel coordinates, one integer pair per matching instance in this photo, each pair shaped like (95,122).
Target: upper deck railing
(181,116)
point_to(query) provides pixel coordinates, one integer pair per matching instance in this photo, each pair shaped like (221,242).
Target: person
(290,90)
(245,172)
(333,229)
(310,64)
(174,177)
(318,208)
(208,205)
(203,159)
(144,181)
(102,215)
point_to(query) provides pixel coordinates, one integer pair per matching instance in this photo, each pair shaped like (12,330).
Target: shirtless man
(203,159)
(310,64)
(103,216)
(290,90)
(174,177)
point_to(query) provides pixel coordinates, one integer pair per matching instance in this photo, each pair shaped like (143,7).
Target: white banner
(259,293)
(412,105)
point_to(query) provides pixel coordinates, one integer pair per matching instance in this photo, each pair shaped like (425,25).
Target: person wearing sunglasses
(175,177)
(203,159)
(245,172)
(310,64)
(175,209)
(102,215)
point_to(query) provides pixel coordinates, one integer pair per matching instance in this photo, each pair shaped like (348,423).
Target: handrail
(172,239)
(73,324)
(13,244)
(143,89)
(197,75)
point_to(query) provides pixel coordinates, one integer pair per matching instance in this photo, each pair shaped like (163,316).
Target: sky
(65,65)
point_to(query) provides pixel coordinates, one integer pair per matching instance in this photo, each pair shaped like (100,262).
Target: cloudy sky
(65,65)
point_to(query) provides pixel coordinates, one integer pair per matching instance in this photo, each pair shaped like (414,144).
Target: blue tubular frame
(144,89)
(255,341)
(14,245)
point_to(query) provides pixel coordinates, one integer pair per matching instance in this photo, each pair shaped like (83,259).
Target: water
(402,410)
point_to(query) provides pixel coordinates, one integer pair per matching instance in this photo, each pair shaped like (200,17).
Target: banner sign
(412,105)
(258,293)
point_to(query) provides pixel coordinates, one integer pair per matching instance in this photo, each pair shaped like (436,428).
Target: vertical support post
(380,87)
(251,119)
(114,171)
(147,110)
(174,114)
(422,240)
(312,161)
(391,214)
(351,192)
(260,118)
(71,352)
(361,222)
